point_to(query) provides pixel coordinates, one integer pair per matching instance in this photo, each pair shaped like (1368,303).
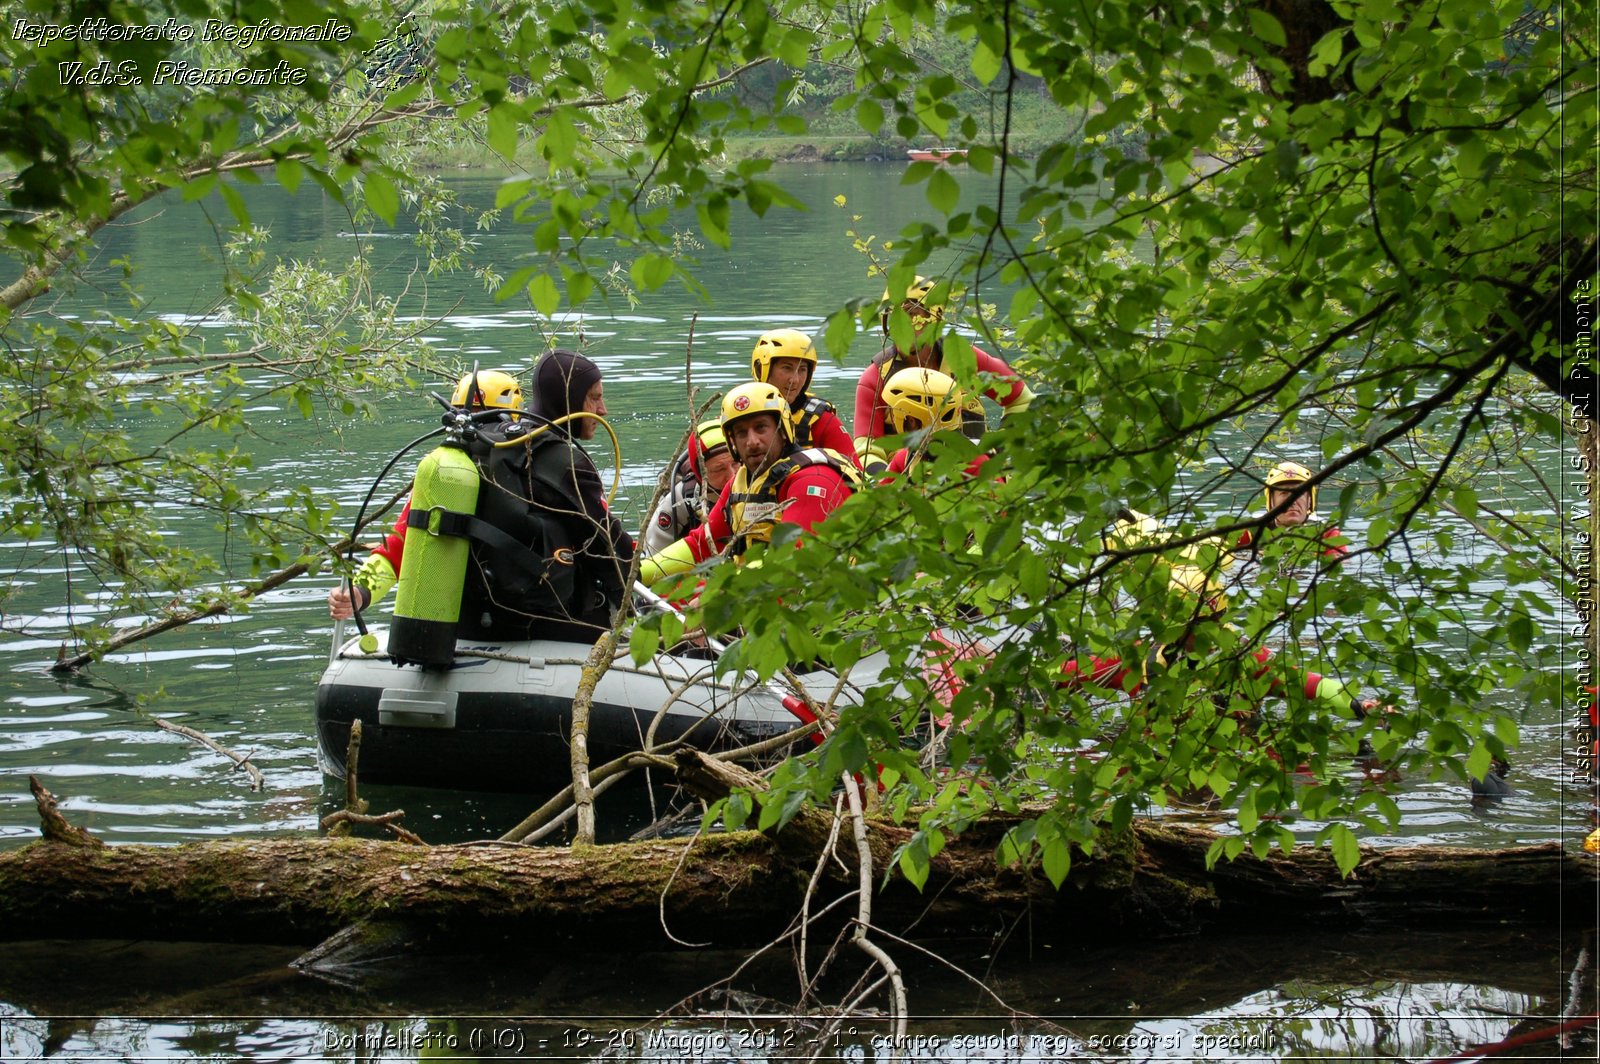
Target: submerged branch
(240,761)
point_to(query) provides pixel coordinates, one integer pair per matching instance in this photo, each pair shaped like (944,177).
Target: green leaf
(504,122)
(559,141)
(944,191)
(1325,54)
(1479,761)
(382,197)
(959,358)
(201,187)
(1248,818)
(650,271)
(1057,861)
(1520,631)
(713,216)
(236,204)
(849,746)
(511,190)
(1266,27)
(1016,844)
(1346,851)
(915,863)
(986,65)
(869,116)
(290,172)
(736,810)
(544,294)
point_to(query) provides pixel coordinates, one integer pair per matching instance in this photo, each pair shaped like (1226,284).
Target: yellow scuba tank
(433,568)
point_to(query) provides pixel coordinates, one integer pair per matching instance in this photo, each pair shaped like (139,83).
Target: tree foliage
(1272,211)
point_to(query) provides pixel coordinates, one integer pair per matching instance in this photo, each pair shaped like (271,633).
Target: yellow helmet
(708,434)
(482,389)
(706,438)
(922,398)
(1193,581)
(782,343)
(757,397)
(1133,529)
(1288,473)
(916,302)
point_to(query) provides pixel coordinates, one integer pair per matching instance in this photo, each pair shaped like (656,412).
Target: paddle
(795,704)
(368,643)
(665,606)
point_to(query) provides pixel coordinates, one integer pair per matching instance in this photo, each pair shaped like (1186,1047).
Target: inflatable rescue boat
(499,716)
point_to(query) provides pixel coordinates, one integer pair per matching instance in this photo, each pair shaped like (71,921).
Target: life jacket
(806,415)
(526,568)
(754,507)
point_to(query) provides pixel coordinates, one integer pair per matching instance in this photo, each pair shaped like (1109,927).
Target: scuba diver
(926,318)
(705,471)
(544,557)
(1286,486)
(787,360)
(776,481)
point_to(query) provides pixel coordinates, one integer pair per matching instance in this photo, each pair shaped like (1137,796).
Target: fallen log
(744,888)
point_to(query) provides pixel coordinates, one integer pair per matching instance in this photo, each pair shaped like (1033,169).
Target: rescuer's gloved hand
(1020,403)
(670,560)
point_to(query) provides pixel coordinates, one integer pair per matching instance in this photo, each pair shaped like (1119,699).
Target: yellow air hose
(616,448)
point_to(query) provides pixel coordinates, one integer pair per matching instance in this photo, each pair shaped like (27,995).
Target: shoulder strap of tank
(440,521)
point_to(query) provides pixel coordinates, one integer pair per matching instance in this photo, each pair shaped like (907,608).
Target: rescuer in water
(706,468)
(1286,487)
(927,352)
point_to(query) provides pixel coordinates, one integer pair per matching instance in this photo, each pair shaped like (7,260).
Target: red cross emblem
(742,403)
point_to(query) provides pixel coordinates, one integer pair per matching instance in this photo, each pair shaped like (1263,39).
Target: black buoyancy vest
(530,573)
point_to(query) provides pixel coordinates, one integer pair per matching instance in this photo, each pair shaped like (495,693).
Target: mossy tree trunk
(745,888)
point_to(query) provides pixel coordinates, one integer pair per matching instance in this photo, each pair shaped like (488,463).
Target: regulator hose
(616,448)
(355,530)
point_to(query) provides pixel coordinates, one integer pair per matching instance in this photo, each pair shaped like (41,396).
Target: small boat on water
(499,717)
(937,155)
